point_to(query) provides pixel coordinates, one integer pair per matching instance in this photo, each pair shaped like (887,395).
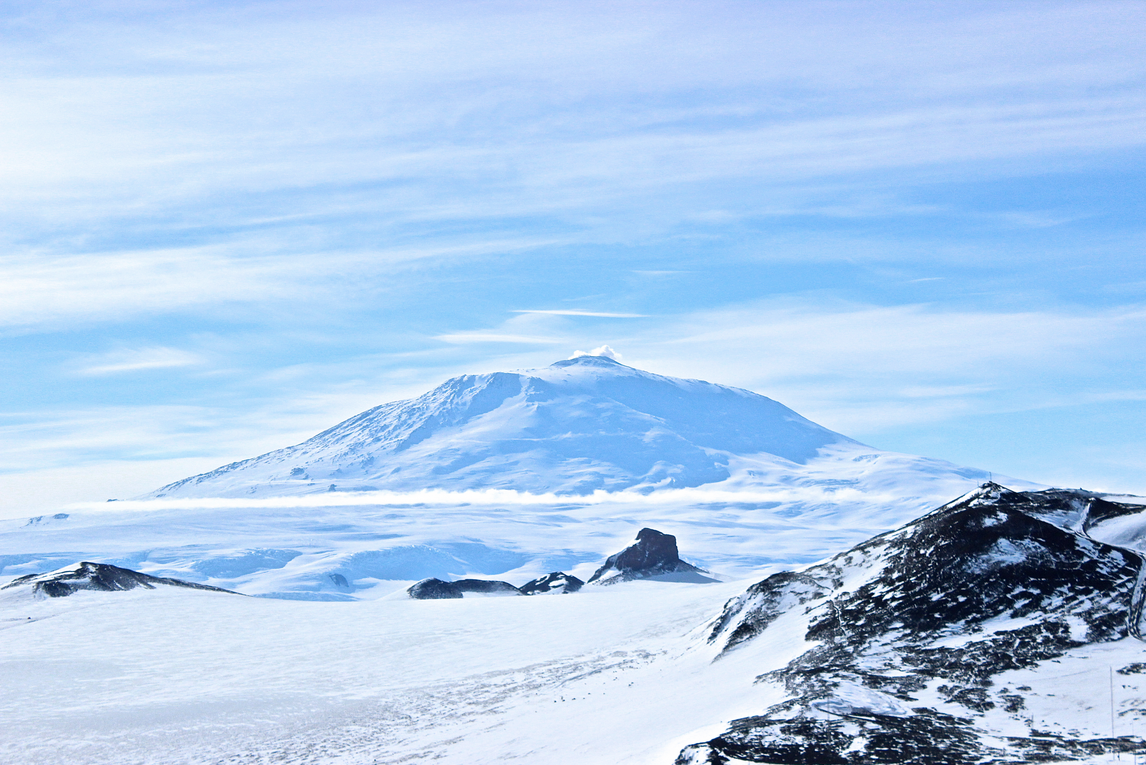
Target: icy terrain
(990,631)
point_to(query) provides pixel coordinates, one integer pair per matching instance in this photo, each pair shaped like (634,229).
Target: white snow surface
(294,544)
(610,676)
(613,675)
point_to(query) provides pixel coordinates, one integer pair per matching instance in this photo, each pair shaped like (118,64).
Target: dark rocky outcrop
(557,582)
(993,582)
(654,554)
(436,589)
(98,576)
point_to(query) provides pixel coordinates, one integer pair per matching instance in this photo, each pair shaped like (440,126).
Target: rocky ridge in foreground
(925,644)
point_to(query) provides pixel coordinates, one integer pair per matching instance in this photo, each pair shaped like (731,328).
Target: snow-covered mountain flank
(580,425)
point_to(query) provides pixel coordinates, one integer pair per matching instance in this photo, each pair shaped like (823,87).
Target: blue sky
(227,226)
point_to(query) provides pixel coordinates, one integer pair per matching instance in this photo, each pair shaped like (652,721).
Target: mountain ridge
(932,642)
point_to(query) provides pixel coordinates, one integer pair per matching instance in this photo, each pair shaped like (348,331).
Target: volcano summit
(575,427)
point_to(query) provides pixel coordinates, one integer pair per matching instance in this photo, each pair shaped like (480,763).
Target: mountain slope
(577,426)
(935,643)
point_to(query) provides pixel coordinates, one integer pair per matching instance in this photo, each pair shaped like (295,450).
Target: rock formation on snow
(436,589)
(922,645)
(555,583)
(653,554)
(97,576)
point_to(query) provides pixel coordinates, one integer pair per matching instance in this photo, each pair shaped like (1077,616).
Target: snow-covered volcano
(575,427)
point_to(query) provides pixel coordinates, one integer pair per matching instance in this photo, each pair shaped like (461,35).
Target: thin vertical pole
(1113,743)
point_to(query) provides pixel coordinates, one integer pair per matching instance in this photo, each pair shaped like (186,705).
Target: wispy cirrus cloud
(462,338)
(139,360)
(616,117)
(45,291)
(593,314)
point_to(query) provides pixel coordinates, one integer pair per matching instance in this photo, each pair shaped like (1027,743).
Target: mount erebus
(578,426)
(514,475)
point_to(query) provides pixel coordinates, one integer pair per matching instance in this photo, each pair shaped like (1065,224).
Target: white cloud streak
(140,360)
(597,314)
(466,338)
(495,497)
(44,291)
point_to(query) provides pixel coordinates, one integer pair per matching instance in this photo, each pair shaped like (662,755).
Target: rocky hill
(932,643)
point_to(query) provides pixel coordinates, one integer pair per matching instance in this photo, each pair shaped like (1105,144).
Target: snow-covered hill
(580,425)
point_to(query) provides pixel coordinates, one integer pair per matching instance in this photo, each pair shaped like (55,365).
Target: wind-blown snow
(295,544)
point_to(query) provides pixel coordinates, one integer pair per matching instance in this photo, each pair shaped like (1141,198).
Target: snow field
(619,674)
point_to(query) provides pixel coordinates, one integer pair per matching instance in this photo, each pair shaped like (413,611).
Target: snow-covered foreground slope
(988,631)
(182,677)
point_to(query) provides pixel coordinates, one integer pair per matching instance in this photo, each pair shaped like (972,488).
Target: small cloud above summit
(604,350)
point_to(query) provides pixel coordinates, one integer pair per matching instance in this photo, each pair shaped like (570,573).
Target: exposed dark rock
(653,554)
(556,582)
(927,738)
(913,614)
(98,576)
(433,589)
(764,601)
(339,581)
(436,589)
